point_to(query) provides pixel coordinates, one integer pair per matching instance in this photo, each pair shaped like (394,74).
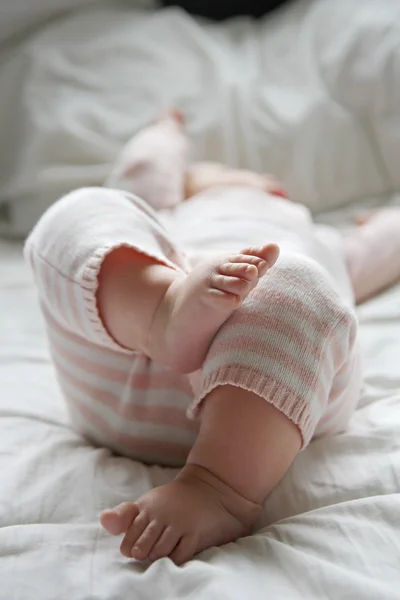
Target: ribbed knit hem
(89,283)
(269,389)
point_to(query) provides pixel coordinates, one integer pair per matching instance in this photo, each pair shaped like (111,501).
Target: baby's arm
(373,253)
(202,176)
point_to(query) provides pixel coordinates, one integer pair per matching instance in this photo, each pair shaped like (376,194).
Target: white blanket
(330,530)
(313,95)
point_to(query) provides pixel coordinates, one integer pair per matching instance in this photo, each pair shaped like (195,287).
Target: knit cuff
(271,390)
(89,283)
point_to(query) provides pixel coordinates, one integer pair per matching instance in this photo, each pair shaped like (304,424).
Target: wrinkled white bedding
(330,530)
(313,95)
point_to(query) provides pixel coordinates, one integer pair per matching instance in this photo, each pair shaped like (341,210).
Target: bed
(310,93)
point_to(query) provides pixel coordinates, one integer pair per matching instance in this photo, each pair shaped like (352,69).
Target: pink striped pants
(293,342)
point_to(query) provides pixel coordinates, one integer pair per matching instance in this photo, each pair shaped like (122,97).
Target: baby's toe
(133,534)
(251,259)
(184,550)
(146,541)
(272,186)
(118,520)
(230,285)
(177,115)
(268,253)
(166,543)
(239,269)
(172,115)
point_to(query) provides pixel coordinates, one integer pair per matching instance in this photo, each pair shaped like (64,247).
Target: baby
(218,335)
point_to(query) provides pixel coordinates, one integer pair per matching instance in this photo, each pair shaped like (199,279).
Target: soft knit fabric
(293,341)
(153,163)
(288,343)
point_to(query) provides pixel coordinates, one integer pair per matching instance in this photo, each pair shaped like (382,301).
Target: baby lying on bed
(227,365)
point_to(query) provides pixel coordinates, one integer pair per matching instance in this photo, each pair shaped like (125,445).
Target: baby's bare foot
(173,115)
(181,518)
(196,305)
(153,163)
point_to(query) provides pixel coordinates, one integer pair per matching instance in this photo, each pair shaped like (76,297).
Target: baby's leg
(171,316)
(147,303)
(103,251)
(373,253)
(153,163)
(265,385)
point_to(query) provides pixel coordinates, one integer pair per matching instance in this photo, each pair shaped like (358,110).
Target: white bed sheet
(330,530)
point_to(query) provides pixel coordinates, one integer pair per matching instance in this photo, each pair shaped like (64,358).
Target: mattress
(311,94)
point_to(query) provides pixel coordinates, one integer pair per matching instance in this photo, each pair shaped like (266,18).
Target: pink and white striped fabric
(293,341)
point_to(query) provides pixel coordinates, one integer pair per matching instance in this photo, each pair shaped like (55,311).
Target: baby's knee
(292,325)
(299,290)
(286,343)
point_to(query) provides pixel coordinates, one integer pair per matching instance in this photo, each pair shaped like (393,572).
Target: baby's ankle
(244,510)
(156,336)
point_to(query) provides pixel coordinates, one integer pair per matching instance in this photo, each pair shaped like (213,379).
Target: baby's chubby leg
(153,163)
(120,262)
(265,385)
(169,315)
(244,448)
